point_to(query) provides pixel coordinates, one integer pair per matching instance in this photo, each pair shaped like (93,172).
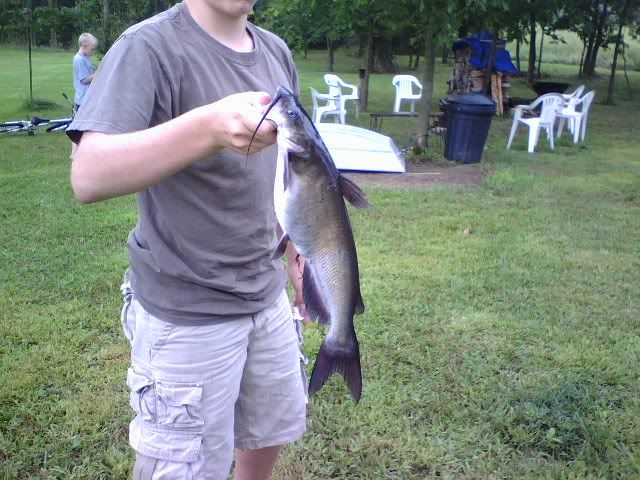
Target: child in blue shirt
(83,71)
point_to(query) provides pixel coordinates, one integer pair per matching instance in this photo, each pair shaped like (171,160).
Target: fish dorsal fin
(282,246)
(353,193)
(312,299)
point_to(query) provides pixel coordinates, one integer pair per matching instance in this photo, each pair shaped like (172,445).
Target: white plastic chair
(404,90)
(576,112)
(332,107)
(336,85)
(574,95)
(552,103)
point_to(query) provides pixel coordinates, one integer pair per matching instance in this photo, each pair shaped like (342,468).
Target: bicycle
(31,125)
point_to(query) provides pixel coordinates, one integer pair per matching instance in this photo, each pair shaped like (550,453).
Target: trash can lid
(471,99)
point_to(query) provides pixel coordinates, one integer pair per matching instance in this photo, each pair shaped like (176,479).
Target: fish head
(295,129)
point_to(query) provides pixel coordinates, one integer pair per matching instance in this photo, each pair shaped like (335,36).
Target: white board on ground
(359,149)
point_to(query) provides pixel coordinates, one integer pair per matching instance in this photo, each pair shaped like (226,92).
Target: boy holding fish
(215,360)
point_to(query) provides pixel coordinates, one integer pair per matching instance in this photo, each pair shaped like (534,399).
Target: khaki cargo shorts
(199,391)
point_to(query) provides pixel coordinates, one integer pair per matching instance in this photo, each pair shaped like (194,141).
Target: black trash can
(468,121)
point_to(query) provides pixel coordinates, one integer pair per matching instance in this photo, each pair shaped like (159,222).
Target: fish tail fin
(331,360)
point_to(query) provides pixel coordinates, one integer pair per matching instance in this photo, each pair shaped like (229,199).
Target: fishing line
(271,105)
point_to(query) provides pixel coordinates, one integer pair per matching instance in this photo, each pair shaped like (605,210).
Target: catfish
(309,201)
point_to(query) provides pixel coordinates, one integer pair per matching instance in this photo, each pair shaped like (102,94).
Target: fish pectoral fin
(312,299)
(282,247)
(353,193)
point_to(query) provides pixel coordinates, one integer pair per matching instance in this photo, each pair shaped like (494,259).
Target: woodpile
(465,78)
(461,80)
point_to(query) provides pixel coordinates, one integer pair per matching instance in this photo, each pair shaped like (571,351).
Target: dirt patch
(422,175)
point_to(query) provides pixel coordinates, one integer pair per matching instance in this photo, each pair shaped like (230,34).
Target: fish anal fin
(282,246)
(353,193)
(346,362)
(312,299)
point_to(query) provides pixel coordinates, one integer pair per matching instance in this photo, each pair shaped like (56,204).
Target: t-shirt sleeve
(124,92)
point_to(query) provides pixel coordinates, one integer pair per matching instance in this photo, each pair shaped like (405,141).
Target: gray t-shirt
(202,248)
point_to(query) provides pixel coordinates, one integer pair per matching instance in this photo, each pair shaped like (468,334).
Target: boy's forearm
(107,166)
(88,80)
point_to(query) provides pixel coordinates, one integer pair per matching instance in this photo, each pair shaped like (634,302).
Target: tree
(624,9)
(106,24)
(375,20)
(498,16)
(437,21)
(293,21)
(333,26)
(593,23)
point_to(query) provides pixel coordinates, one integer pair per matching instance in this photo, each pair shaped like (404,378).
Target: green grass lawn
(511,352)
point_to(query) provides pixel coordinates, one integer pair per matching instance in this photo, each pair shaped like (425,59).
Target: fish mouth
(278,119)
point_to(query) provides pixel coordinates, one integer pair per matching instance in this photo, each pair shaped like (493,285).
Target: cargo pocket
(168,424)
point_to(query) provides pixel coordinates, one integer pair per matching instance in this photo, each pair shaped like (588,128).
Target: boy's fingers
(267,128)
(258,99)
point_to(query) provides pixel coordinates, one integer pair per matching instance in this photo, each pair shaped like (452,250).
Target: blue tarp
(482,49)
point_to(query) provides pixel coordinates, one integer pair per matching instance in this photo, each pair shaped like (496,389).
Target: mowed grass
(511,352)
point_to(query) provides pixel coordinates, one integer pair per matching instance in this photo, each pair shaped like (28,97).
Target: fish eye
(292,113)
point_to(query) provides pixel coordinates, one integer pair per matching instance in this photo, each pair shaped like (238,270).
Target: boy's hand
(233,121)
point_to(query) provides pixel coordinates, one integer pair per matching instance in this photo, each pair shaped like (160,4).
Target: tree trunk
(417,64)
(540,53)
(29,13)
(626,75)
(463,30)
(371,55)
(587,55)
(106,25)
(598,41)
(330,51)
(584,48)
(532,46)
(614,64)
(424,106)
(590,37)
(445,53)
(619,38)
(518,53)
(492,60)
(384,60)
(410,61)
(53,35)
(305,47)
(362,43)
